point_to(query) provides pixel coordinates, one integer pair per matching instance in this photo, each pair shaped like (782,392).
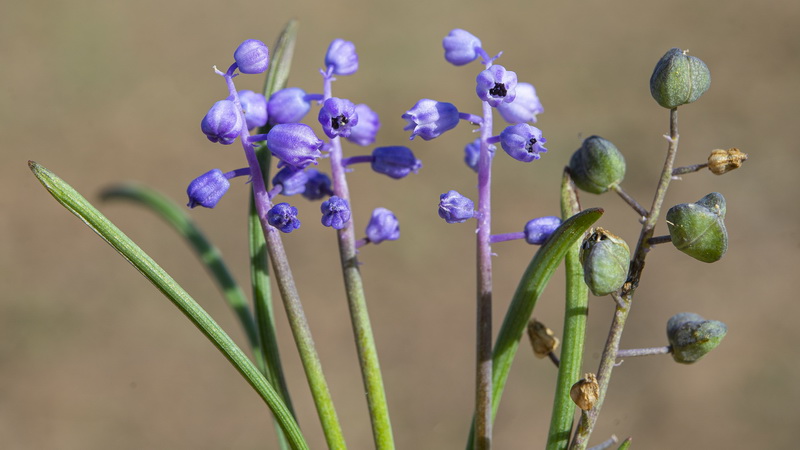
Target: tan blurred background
(92,357)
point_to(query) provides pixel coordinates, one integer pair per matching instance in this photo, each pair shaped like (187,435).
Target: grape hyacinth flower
(429,118)
(523,142)
(342,57)
(524,108)
(291,179)
(496,85)
(254,106)
(538,230)
(295,144)
(335,212)
(222,123)
(472,153)
(252,56)
(455,208)
(207,189)
(460,47)
(363,133)
(318,185)
(395,162)
(383,226)
(337,117)
(283,216)
(288,105)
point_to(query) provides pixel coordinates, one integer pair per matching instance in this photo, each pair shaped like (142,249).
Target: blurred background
(93,357)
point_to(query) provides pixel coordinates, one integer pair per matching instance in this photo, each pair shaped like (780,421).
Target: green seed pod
(691,336)
(597,165)
(606,260)
(679,79)
(698,229)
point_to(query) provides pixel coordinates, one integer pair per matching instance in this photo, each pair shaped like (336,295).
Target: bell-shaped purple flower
(472,153)
(455,208)
(396,162)
(363,133)
(335,212)
(291,179)
(222,123)
(295,144)
(207,189)
(460,47)
(429,118)
(283,216)
(338,117)
(318,185)
(538,230)
(288,105)
(496,85)
(525,106)
(523,142)
(252,56)
(383,226)
(342,57)
(255,108)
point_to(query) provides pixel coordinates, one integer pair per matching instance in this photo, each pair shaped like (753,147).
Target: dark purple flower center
(531,145)
(339,121)
(499,90)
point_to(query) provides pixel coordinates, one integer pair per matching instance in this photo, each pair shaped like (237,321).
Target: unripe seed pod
(585,392)
(698,229)
(679,79)
(606,260)
(721,161)
(597,165)
(691,336)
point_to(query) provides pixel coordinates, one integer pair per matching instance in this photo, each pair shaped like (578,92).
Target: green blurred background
(92,357)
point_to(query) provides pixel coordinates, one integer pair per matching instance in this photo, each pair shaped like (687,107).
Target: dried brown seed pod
(585,392)
(722,161)
(542,338)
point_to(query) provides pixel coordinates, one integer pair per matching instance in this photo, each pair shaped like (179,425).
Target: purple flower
(294,143)
(363,133)
(538,230)
(335,212)
(396,162)
(496,84)
(222,123)
(455,208)
(338,116)
(342,57)
(255,109)
(318,185)
(283,216)
(288,106)
(383,226)
(460,47)
(429,118)
(252,56)
(523,142)
(207,189)
(291,179)
(472,153)
(525,106)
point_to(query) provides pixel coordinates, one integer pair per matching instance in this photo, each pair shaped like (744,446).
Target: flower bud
(288,105)
(283,216)
(455,208)
(538,230)
(606,260)
(294,143)
(222,123)
(691,337)
(252,56)
(291,179)
(335,212)
(496,85)
(460,47)
(698,229)
(318,185)
(255,109)
(395,162)
(383,226)
(429,118)
(337,117)
(721,161)
(342,57)
(542,339)
(207,189)
(523,142)
(679,79)
(363,133)
(585,392)
(525,106)
(597,165)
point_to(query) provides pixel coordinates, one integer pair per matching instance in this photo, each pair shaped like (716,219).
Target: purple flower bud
(252,56)
(255,109)
(525,106)
(363,133)
(207,189)
(383,226)
(335,212)
(496,84)
(523,142)
(342,57)
(288,106)
(295,144)
(429,118)
(455,208)
(318,185)
(222,123)
(472,153)
(396,162)
(538,230)
(338,116)
(292,180)
(283,216)
(460,47)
